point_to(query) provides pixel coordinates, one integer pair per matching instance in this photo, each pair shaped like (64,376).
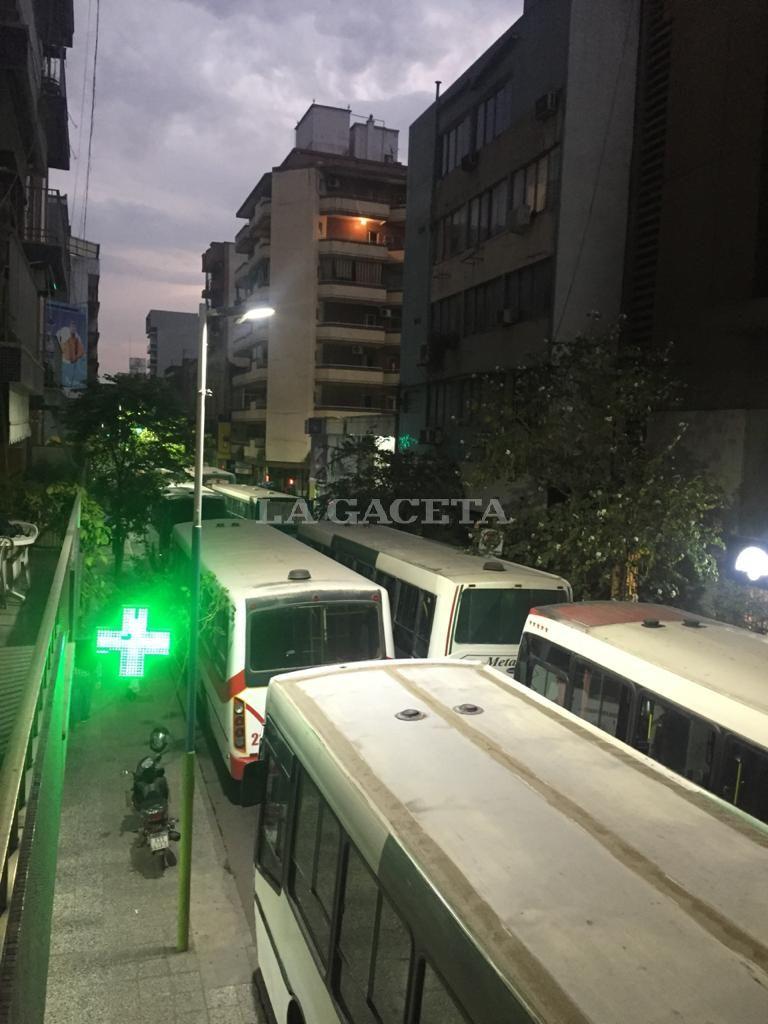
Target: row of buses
(573,833)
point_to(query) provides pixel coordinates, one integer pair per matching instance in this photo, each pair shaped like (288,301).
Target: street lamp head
(255,313)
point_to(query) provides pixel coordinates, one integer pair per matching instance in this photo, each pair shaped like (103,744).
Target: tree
(369,474)
(135,439)
(620,517)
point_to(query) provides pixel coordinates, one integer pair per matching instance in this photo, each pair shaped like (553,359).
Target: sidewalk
(113,956)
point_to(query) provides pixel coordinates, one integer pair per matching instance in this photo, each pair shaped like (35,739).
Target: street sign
(133,642)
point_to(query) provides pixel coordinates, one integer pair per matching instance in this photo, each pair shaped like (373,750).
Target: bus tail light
(238,723)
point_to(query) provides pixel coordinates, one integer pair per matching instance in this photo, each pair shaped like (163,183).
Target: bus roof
(723,658)
(599,884)
(246,491)
(434,556)
(246,556)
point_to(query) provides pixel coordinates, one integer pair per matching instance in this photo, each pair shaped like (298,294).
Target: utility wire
(93,106)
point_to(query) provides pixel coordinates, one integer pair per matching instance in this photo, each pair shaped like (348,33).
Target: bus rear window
(282,638)
(497,615)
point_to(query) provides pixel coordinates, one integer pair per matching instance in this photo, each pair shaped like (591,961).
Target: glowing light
(363,221)
(133,642)
(257,313)
(753,562)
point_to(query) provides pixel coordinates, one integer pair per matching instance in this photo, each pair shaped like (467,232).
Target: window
(601,698)
(454,144)
(528,291)
(677,739)
(314,859)
(493,116)
(273,816)
(437,1004)
(292,636)
(745,777)
(495,615)
(473,234)
(373,955)
(498,220)
(412,620)
(530,184)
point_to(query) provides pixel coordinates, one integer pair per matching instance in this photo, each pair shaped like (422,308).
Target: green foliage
(136,439)
(367,473)
(614,514)
(739,604)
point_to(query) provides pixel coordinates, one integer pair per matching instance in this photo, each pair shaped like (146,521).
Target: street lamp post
(188,765)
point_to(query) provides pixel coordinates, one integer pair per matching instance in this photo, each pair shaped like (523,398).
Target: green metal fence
(31,780)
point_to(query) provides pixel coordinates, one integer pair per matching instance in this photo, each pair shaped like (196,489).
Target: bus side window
(523,654)
(313,863)
(437,1004)
(273,816)
(373,955)
(745,778)
(680,741)
(404,619)
(601,698)
(426,615)
(548,682)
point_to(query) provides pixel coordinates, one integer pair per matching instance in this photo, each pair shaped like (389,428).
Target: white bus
(212,474)
(690,692)
(440,845)
(445,602)
(275,606)
(260,503)
(176,506)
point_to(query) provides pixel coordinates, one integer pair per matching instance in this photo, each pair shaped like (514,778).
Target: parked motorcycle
(149,798)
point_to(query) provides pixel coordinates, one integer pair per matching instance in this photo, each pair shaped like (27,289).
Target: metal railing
(31,780)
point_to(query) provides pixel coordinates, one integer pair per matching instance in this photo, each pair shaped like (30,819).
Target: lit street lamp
(188,773)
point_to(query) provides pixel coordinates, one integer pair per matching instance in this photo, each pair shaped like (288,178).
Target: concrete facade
(517,204)
(697,260)
(171,337)
(323,245)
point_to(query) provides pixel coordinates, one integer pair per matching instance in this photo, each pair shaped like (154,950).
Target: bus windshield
(291,636)
(496,615)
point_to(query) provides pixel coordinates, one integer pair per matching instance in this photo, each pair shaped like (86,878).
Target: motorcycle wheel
(169,859)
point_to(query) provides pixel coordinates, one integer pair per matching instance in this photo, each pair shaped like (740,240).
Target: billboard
(66,345)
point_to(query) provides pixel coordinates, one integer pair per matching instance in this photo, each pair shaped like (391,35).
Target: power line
(93,107)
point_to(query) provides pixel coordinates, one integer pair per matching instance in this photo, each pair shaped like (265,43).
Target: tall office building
(323,245)
(518,190)
(171,338)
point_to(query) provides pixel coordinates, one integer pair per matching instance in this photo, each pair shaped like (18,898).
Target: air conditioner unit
(507,316)
(546,105)
(469,161)
(385,314)
(520,218)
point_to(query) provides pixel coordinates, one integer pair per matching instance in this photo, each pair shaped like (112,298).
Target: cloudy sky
(195,99)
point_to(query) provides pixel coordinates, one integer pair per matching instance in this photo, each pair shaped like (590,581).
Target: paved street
(113,954)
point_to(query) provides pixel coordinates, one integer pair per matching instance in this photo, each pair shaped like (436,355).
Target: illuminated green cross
(134,641)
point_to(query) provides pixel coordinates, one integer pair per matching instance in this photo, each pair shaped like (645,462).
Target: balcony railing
(30,793)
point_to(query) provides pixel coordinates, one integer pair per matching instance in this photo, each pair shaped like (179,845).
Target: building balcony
(257,413)
(350,290)
(53,109)
(20,329)
(375,375)
(352,207)
(261,215)
(385,404)
(394,297)
(344,247)
(256,375)
(244,336)
(360,334)
(243,240)
(397,215)
(253,452)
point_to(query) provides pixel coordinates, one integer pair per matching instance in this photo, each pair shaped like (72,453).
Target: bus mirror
(254,785)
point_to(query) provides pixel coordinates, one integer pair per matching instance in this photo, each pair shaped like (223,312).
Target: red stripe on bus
(238,764)
(450,619)
(254,712)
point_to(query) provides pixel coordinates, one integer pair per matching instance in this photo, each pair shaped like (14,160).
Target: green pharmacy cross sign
(133,642)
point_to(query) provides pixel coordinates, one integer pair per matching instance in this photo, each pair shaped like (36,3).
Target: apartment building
(220,263)
(34,137)
(171,337)
(697,259)
(518,186)
(322,244)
